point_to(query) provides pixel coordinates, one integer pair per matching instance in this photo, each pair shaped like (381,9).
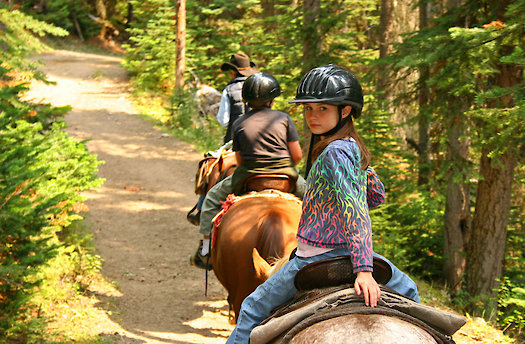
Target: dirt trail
(138,215)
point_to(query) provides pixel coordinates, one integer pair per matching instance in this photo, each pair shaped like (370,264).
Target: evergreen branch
(413,143)
(8,281)
(502,35)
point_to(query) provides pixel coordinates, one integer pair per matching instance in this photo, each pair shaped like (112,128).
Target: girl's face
(322,117)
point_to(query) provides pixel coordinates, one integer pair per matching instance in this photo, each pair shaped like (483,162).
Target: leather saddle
(337,271)
(260,182)
(325,291)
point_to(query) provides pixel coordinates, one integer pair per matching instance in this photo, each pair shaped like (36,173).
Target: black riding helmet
(333,85)
(260,86)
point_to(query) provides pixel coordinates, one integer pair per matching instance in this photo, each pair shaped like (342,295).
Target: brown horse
(360,328)
(258,229)
(338,315)
(212,169)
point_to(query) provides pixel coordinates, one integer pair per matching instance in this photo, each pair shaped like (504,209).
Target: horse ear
(221,162)
(262,268)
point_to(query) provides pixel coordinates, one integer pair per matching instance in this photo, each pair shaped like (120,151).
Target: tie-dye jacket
(336,203)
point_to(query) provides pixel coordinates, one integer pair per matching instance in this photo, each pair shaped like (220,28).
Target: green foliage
(18,38)
(408,229)
(216,29)
(150,57)
(189,123)
(67,14)
(72,270)
(42,173)
(475,56)
(511,307)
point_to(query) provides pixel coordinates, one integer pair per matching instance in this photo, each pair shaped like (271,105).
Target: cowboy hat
(240,63)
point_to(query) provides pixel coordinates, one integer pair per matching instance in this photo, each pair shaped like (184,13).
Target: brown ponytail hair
(347,130)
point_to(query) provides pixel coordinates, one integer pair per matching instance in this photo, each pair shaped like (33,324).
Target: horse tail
(271,234)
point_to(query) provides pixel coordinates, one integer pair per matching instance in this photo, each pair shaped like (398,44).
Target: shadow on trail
(101,66)
(158,334)
(138,218)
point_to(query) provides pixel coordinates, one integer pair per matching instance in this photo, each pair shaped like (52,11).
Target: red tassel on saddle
(217,219)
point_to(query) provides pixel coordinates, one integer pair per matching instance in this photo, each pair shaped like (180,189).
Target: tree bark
(129,16)
(100,6)
(312,41)
(181,44)
(312,36)
(457,210)
(486,249)
(423,121)
(397,17)
(268,7)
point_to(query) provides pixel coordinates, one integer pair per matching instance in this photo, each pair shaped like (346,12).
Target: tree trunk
(423,121)
(268,8)
(312,41)
(129,16)
(312,36)
(100,6)
(457,210)
(397,18)
(181,44)
(486,249)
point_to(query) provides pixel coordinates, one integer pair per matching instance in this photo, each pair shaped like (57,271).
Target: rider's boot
(194,217)
(201,261)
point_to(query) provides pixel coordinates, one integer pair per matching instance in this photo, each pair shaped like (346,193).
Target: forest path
(138,216)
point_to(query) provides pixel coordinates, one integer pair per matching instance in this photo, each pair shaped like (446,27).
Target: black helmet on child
(333,85)
(260,86)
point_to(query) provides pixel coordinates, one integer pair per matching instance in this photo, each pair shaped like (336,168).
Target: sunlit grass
(69,298)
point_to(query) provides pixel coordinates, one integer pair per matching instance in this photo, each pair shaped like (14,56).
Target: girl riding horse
(334,220)
(265,141)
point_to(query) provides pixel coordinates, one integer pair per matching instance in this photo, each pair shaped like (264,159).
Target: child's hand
(366,284)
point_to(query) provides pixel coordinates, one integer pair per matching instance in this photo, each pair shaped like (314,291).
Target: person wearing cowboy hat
(232,105)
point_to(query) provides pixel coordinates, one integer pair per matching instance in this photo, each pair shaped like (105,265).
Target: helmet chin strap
(340,123)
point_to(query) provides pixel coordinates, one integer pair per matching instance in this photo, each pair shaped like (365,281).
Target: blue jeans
(280,288)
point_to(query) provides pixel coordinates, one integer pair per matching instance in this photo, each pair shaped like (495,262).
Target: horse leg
(232,318)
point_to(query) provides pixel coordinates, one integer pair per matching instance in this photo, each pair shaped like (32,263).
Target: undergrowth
(65,301)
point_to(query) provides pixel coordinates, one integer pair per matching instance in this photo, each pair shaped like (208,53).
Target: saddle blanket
(291,314)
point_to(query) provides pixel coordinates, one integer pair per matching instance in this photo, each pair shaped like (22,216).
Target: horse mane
(277,265)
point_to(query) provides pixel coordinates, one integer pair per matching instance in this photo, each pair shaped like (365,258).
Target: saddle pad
(232,199)
(443,324)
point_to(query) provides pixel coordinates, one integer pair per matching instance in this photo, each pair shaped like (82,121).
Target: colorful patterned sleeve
(349,184)
(375,190)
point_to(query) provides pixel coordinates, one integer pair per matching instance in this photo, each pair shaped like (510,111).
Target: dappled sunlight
(184,337)
(121,199)
(138,215)
(104,191)
(140,206)
(136,150)
(217,309)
